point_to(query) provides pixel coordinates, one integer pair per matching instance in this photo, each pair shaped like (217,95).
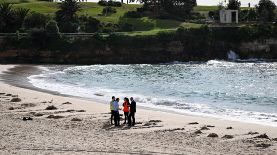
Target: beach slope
(34,122)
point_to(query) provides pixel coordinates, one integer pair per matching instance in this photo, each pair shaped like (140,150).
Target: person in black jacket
(133,109)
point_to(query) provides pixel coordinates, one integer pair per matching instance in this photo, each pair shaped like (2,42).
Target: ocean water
(228,90)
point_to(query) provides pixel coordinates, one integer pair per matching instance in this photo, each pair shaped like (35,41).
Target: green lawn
(18,1)
(41,7)
(143,26)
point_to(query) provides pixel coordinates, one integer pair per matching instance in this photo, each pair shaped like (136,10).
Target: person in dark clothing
(133,109)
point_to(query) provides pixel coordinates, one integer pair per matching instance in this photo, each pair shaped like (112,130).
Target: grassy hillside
(92,9)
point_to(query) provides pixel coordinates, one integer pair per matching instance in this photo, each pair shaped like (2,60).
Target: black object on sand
(213,135)
(27,118)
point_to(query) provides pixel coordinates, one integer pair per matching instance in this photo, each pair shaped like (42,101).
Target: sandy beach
(80,126)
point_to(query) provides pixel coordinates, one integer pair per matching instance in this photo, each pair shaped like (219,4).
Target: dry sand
(155,133)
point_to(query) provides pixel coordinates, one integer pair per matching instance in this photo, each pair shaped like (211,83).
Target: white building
(229,16)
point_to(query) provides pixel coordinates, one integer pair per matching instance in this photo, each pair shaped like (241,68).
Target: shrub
(109,3)
(36,20)
(37,38)
(89,24)
(197,15)
(127,27)
(52,29)
(109,27)
(108,10)
(68,27)
(133,14)
(11,19)
(214,15)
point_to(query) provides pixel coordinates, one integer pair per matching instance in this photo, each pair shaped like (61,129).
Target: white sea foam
(235,91)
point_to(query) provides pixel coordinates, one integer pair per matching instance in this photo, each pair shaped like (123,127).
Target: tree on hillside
(266,10)
(11,19)
(234,5)
(20,15)
(181,8)
(66,16)
(89,24)
(215,13)
(7,17)
(52,29)
(176,8)
(36,20)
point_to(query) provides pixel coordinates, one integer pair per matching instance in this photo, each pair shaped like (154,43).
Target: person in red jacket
(126,109)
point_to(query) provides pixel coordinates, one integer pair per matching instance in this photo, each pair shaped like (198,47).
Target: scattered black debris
(229,128)
(204,128)
(14,95)
(210,126)
(80,111)
(228,136)
(44,102)
(97,94)
(67,103)
(51,107)
(155,121)
(8,94)
(274,139)
(76,119)
(15,100)
(262,136)
(2,93)
(55,116)
(11,108)
(27,118)
(213,135)
(253,133)
(193,123)
(70,110)
(175,129)
(263,145)
(198,132)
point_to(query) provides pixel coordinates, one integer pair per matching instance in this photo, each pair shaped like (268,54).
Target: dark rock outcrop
(228,136)
(51,107)
(213,135)
(15,100)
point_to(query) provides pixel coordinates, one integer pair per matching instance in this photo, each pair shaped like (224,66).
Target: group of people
(129,110)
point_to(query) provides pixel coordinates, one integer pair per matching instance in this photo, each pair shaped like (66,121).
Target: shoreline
(151,123)
(16,74)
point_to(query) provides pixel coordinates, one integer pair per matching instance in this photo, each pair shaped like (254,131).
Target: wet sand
(83,127)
